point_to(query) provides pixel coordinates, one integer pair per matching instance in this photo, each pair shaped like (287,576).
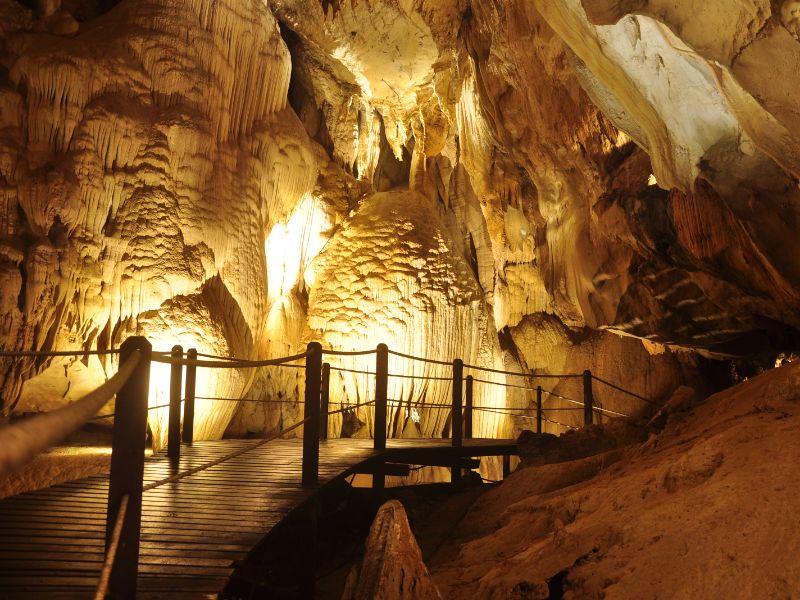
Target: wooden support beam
(175,389)
(189,392)
(456,423)
(381,387)
(127,468)
(324,401)
(468,409)
(538,409)
(383,469)
(588,398)
(306,557)
(311,414)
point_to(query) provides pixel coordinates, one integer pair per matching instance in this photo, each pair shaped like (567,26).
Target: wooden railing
(22,441)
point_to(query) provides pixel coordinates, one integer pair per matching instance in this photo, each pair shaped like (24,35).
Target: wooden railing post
(468,409)
(127,468)
(324,401)
(538,409)
(311,413)
(458,395)
(189,392)
(381,387)
(456,423)
(175,389)
(588,398)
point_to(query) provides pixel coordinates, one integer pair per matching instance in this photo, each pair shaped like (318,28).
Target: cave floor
(195,531)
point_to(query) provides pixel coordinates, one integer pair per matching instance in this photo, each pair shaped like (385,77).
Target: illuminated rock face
(393,275)
(510,182)
(143,161)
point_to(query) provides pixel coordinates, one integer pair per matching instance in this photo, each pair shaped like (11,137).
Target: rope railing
(111,551)
(330,352)
(354,371)
(595,407)
(431,361)
(229,364)
(50,354)
(218,461)
(347,407)
(419,377)
(109,415)
(484,409)
(241,451)
(248,400)
(623,390)
(23,440)
(520,374)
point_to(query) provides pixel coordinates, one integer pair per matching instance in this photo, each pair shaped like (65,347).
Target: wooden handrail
(127,470)
(22,441)
(311,414)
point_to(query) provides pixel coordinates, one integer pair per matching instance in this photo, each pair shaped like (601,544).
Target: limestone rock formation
(699,510)
(144,160)
(548,185)
(392,568)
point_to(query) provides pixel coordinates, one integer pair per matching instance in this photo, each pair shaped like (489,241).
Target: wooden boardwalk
(194,531)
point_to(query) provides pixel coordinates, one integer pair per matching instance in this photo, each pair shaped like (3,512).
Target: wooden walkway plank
(194,530)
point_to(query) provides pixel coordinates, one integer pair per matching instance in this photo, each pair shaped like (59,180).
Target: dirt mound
(704,508)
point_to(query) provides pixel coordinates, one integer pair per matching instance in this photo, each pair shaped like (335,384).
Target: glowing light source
(211,417)
(291,247)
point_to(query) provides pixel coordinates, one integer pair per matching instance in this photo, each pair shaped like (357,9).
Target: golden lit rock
(513,183)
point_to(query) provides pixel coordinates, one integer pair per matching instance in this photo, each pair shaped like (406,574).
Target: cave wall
(545,185)
(145,157)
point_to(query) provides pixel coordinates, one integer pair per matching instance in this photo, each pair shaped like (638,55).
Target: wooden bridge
(194,532)
(178,524)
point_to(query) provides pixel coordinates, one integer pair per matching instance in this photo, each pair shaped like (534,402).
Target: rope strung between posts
(226,362)
(356,371)
(606,411)
(420,377)
(553,394)
(348,407)
(431,361)
(224,358)
(111,553)
(149,408)
(22,441)
(528,388)
(518,374)
(623,390)
(231,364)
(268,401)
(236,453)
(38,354)
(218,461)
(250,400)
(396,375)
(348,352)
(523,417)
(508,385)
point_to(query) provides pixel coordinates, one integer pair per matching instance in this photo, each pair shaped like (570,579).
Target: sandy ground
(86,453)
(707,507)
